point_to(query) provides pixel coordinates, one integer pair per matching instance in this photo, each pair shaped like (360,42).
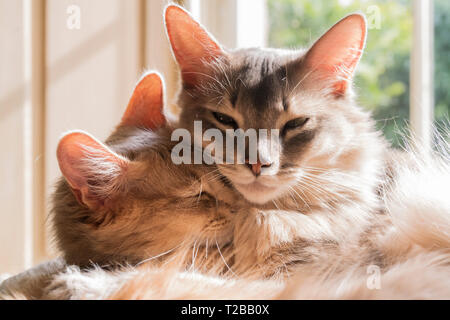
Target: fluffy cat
(125,201)
(334,201)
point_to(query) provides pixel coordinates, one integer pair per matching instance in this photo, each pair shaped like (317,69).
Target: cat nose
(256,168)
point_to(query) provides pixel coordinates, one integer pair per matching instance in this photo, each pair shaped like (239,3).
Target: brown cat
(126,201)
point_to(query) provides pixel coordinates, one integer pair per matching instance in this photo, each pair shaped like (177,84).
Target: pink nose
(256,168)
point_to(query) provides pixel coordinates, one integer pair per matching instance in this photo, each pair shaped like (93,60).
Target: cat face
(304,95)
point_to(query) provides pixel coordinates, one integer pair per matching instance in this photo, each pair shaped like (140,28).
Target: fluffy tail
(419,199)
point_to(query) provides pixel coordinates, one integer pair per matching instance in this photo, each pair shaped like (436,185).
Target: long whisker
(300,197)
(275,204)
(159,255)
(223,259)
(301,81)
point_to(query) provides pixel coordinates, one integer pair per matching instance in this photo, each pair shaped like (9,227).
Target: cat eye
(225,120)
(294,124)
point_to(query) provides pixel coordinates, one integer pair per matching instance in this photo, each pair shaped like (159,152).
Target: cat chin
(257,192)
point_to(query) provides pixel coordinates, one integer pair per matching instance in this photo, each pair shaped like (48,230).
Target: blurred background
(72,64)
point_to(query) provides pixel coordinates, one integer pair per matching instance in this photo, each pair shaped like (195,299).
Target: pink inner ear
(71,154)
(338,51)
(191,44)
(145,108)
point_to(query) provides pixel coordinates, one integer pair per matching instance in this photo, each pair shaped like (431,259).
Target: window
(442,62)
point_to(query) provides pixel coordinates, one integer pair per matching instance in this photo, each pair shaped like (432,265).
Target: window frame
(422,73)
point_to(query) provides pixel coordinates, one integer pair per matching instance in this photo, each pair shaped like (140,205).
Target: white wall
(90,72)
(13,88)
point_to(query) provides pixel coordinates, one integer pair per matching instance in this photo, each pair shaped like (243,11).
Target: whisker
(223,259)
(159,255)
(301,81)
(301,198)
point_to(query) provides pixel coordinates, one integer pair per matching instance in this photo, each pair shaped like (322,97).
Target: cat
(322,196)
(321,191)
(125,201)
(323,209)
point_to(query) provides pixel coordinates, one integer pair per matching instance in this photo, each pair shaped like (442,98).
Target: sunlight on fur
(336,214)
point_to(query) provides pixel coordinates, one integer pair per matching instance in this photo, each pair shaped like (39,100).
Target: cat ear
(193,47)
(91,169)
(337,53)
(146,106)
